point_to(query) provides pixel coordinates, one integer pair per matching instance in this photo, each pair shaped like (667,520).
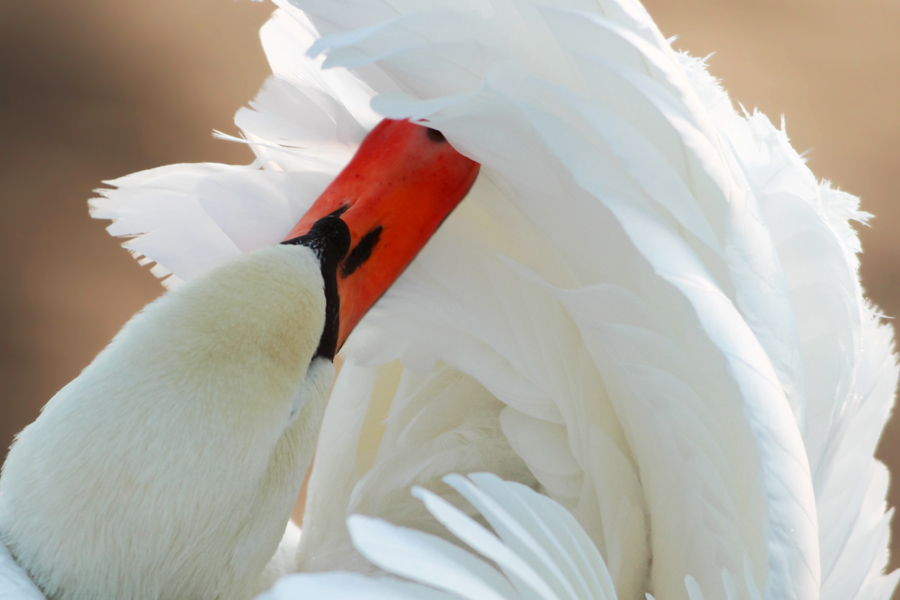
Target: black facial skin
(361,252)
(329,238)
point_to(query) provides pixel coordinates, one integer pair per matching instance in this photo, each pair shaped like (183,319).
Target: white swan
(169,467)
(648,308)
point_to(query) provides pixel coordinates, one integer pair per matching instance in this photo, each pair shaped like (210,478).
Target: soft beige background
(94,89)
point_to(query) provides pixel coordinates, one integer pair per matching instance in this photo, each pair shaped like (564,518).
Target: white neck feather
(169,467)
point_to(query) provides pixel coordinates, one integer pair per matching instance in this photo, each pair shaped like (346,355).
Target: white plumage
(648,308)
(169,467)
(542,552)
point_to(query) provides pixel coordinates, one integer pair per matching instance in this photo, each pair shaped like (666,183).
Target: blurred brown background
(95,89)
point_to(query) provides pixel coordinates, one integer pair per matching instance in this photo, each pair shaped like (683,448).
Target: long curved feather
(557,562)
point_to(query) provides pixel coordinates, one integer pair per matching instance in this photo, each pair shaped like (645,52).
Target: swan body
(648,309)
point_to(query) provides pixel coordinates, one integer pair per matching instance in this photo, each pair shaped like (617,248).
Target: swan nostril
(435,136)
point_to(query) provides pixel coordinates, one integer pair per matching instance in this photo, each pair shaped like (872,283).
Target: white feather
(435,563)
(349,586)
(169,467)
(15,584)
(419,556)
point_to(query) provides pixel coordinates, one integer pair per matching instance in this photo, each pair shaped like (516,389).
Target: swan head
(169,467)
(401,184)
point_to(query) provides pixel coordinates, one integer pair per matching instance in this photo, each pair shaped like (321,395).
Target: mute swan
(169,467)
(648,308)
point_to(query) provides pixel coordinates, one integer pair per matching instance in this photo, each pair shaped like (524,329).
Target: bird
(169,467)
(647,312)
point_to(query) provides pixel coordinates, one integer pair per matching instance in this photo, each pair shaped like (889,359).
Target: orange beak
(402,183)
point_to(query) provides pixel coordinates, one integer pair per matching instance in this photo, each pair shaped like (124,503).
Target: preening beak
(402,183)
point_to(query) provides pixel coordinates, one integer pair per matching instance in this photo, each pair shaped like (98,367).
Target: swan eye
(435,136)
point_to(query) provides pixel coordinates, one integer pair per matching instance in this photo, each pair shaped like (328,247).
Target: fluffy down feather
(14,581)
